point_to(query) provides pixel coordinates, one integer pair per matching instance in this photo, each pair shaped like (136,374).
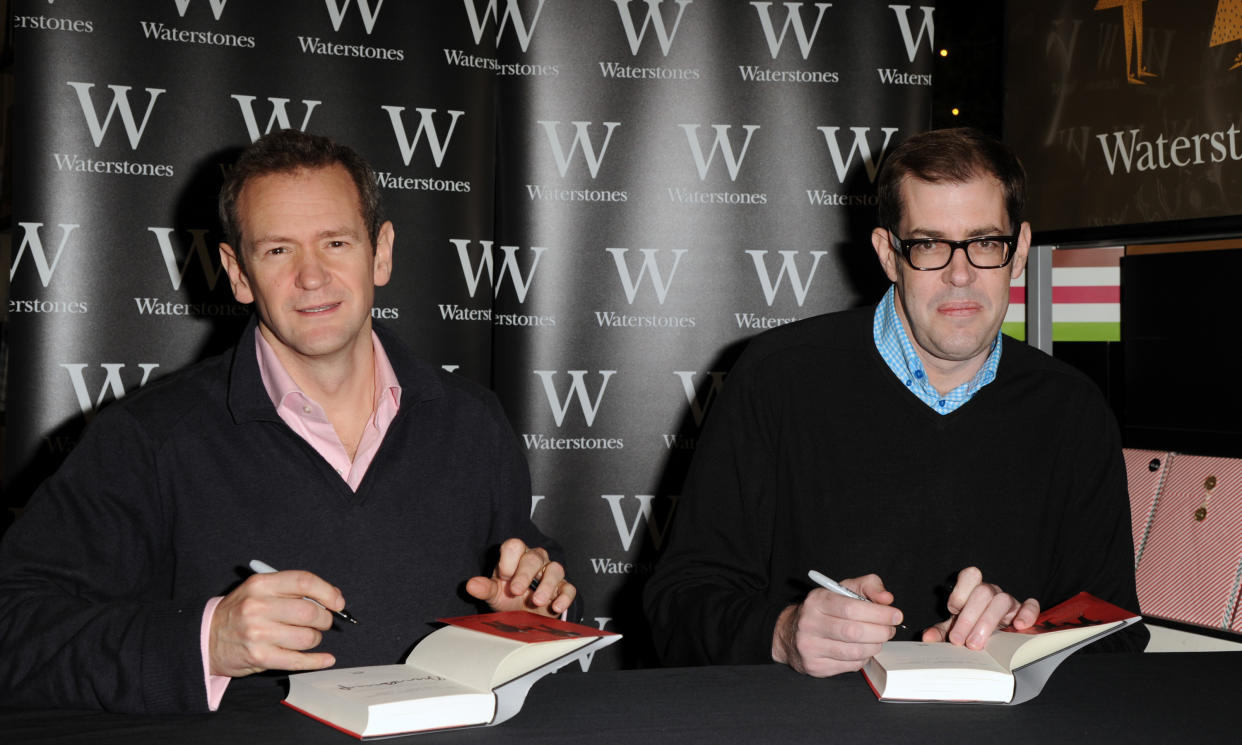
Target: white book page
(920,671)
(389,698)
(484,661)
(1015,650)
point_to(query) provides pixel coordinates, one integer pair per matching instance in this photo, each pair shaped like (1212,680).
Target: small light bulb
(944,52)
(955,111)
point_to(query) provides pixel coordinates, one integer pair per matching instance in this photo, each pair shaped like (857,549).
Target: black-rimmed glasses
(930,254)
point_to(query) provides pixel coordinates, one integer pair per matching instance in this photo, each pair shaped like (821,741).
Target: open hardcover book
(473,672)
(1013,666)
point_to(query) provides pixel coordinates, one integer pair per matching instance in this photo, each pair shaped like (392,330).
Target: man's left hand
(509,587)
(978,608)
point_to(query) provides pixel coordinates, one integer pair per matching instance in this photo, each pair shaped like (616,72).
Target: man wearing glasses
(948,471)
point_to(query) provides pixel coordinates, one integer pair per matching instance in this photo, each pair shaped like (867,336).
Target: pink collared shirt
(307,418)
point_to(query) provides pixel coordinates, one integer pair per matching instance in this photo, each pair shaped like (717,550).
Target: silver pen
(840,589)
(263,568)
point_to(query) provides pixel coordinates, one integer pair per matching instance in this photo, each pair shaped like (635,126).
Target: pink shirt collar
(307,418)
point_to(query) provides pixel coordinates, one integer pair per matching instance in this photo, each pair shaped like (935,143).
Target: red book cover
(1084,609)
(523,626)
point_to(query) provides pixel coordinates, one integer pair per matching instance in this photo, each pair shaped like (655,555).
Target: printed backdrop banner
(1126,112)
(595,204)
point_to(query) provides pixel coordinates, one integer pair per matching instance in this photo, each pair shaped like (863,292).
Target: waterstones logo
(588,403)
(120,106)
(723,144)
(861,147)
(650,266)
(914,39)
(591,154)
(581,140)
(730,153)
(369,10)
(699,402)
(279,117)
(162,32)
(653,20)
(578,391)
(32,246)
(211,270)
(437,141)
(338,10)
(511,18)
(627,527)
(473,271)
(177,271)
(788,268)
(776,42)
(113,384)
(1128,153)
(217,7)
(794,22)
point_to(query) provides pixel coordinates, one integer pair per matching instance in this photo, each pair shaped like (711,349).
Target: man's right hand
(827,633)
(267,623)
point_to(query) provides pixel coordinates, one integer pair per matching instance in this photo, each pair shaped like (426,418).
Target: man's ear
(885,252)
(1023,249)
(237,276)
(381,269)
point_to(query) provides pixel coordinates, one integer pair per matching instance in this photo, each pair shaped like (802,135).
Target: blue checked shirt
(895,347)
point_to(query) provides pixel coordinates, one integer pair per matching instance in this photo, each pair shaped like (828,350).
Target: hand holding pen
(830,632)
(267,623)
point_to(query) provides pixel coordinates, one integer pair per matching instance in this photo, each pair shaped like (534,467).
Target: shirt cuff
(215,684)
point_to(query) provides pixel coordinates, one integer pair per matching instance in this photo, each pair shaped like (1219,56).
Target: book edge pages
(511,694)
(1029,679)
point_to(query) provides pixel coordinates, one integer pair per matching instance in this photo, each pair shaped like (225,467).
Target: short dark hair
(289,151)
(955,155)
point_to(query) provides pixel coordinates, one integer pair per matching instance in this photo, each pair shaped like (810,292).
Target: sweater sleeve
(87,616)
(707,600)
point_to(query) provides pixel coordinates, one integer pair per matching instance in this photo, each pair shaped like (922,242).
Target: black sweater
(175,488)
(816,457)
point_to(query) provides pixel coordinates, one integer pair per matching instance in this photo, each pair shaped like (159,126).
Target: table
(1092,698)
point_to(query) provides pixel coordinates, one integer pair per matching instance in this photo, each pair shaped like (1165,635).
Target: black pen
(263,568)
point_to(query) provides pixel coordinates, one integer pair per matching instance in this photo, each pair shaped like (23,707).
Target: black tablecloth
(1092,698)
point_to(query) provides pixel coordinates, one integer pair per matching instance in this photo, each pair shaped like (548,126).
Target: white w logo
(860,146)
(788,266)
(513,14)
(425,124)
(793,17)
(649,267)
(654,19)
(627,532)
(722,143)
(112,383)
(120,102)
(577,388)
(32,243)
(929,26)
(581,139)
(198,247)
(279,118)
(337,12)
(697,408)
(508,266)
(217,7)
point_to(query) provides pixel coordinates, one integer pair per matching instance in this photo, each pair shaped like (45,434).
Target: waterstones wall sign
(595,202)
(1126,113)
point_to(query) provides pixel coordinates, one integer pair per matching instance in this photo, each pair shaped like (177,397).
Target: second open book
(1013,666)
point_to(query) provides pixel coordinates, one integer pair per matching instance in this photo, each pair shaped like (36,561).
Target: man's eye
(926,246)
(987,244)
